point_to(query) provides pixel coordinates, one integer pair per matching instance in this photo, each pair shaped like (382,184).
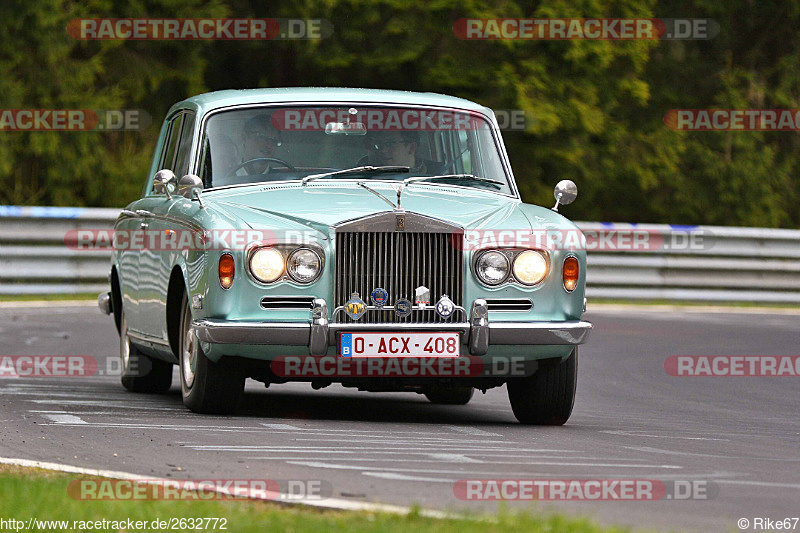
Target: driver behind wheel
(261,139)
(398,148)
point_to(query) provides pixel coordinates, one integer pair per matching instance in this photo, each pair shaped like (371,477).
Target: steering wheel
(453,161)
(249,161)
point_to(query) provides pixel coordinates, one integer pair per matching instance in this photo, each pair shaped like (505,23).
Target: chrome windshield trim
(490,119)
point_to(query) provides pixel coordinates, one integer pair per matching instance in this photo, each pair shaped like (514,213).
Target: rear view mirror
(565,193)
(165,182)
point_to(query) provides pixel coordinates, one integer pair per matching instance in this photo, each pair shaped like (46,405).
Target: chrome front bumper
(320,333)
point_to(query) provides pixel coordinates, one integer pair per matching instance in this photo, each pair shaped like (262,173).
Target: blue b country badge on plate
(379,297)
(346,345)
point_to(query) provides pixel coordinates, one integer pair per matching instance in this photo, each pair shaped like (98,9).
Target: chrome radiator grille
(398,262)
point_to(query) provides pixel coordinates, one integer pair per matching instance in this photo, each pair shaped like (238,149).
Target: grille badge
(445,307)
(400,222)
(379,297)
(355,307)
(402,307)
(422,296)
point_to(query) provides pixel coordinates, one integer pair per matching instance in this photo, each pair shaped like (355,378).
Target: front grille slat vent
(398,262)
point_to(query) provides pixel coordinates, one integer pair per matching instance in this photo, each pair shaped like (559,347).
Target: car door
(153,272)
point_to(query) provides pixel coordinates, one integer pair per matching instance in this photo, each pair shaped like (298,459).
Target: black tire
(141,373)
(546,398)
(450,395)
(207,387)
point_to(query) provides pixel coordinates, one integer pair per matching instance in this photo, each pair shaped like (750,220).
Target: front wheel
(207,387)
(546,398)
(141,373)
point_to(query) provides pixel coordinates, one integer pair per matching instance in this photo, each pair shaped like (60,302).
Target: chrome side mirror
(188,184)
(165,182)
(565,193)
(190,187)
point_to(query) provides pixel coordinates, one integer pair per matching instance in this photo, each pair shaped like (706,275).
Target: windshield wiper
(470,177)
(356,170)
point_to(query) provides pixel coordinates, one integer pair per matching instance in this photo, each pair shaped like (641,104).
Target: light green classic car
(370,238)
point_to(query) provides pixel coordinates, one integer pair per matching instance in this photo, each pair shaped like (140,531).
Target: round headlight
(530,267)
(266,265)
(303,265)
(492,267)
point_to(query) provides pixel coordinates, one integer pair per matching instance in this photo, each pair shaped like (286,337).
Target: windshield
(276,144)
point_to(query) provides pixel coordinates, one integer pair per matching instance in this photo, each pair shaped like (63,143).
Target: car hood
(320,206)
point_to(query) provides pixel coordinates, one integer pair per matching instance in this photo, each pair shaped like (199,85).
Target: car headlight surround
(304,265)
(267,264)
(530,267)
(492,267)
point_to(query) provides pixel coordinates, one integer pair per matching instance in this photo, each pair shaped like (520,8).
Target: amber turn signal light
(570,271)
(227,269)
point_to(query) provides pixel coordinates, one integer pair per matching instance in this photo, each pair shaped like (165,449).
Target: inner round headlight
(530,267)
(266,265)
(492,267)
(303,265)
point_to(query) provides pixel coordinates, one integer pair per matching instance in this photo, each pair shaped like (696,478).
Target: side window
(171,144)
(187,132)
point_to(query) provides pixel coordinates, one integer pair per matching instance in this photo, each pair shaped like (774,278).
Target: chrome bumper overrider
(320,333)
(104,302)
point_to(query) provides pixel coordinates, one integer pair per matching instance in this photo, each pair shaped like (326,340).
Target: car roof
(206,102)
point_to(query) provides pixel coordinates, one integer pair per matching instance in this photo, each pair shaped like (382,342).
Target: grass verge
(42,494)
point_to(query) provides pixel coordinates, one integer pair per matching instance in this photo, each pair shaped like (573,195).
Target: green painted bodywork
(311,210)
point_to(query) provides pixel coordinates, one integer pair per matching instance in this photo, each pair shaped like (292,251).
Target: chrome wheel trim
(124,344)
(188,351)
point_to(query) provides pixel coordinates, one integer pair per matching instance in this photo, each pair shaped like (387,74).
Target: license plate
(400,345)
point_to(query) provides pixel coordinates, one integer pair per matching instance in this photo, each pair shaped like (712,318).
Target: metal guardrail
(34,258)
(728,264)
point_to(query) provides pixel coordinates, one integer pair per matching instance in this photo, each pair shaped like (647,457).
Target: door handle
(143,213)
(143,225)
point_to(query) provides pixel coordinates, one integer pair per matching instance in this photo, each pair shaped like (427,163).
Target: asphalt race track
(738,435)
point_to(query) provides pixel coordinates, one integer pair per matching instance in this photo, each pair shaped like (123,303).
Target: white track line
(469,430)
(65,419)
(329,503)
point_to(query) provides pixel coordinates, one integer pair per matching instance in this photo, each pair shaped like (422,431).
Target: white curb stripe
(330,503)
